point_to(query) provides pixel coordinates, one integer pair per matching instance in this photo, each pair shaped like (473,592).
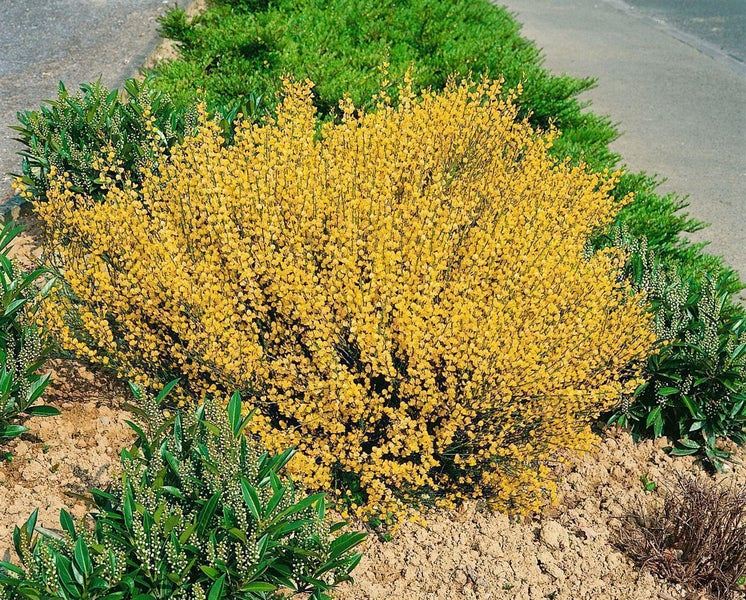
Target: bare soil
(55,464)
(566,554)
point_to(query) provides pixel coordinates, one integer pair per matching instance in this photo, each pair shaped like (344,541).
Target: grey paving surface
(681,105)
(43,42)
(721,23)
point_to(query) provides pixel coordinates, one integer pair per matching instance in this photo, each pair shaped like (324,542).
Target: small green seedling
(648,484)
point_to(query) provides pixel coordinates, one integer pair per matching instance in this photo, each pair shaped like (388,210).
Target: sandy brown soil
(61,458)
(567,554)
(54,464)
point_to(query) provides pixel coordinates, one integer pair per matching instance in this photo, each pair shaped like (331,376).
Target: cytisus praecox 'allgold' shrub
(405,296)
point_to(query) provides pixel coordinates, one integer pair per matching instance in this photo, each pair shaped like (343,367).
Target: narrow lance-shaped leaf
(207,512)
(216,591)
(83,558)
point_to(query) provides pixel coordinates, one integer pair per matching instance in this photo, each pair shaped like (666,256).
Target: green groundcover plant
(695,389)
(23,350)
(200,511)
(236,51)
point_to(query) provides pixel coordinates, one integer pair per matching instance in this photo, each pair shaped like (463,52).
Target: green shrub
(200,512)
(341,45)
(22,349)
(78,133)
(695,389)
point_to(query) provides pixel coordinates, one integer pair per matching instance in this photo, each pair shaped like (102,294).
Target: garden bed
(566,553)
(568,550)
(468,553)
(471,553)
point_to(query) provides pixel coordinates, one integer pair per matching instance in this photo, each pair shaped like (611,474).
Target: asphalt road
(43,42)
(680,101)
(719,23)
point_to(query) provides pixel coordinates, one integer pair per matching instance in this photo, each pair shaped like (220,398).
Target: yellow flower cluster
(405,295)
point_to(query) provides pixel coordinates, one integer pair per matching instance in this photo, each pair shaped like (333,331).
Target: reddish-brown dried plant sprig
(696,536)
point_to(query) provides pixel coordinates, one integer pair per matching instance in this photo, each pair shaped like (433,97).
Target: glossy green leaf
(67,523)
(251,498)
(211,572)
(668,391)
(12,431)
(83,557)
(345,543)
(216,590)
(166,390)
(259,587)
(207,512)
(43,410)
(234,413)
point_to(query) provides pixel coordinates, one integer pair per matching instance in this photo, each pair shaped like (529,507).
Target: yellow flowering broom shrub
(404,296)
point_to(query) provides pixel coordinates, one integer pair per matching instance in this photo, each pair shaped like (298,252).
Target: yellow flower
(403,295)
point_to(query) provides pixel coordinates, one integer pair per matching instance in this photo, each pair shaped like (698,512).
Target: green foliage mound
(236,53)
(23,350)
(200,512)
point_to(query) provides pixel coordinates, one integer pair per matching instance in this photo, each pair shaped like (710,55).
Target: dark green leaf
(166,390)
(174,491)
(211,572)
(43,410)
(191,528)
(238,534)
(683,451)
(83,557)
(216,591)
(207,512)
(687,443)
(258,587)
(178,433)
(66,521)
(12,431)
(668,391)
(251,498)
(234,413)
(344,543)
